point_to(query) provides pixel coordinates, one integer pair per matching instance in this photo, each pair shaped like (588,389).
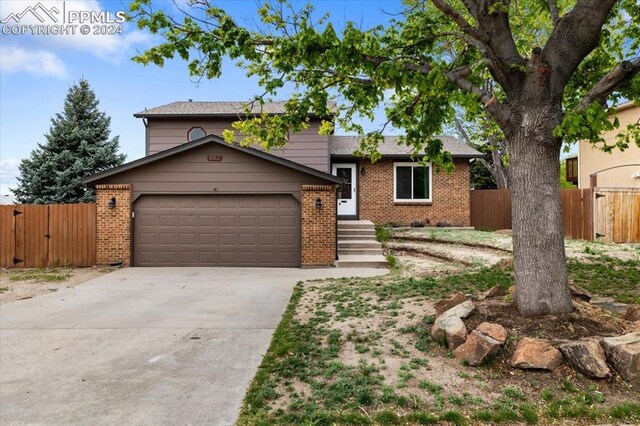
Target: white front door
(347,196)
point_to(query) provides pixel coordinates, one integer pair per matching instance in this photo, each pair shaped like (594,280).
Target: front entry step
(357,245)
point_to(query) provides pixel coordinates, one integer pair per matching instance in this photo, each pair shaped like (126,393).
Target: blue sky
(36,72)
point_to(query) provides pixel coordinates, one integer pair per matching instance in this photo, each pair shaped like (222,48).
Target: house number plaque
(214,157)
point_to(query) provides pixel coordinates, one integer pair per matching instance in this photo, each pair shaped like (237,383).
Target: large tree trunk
(538,243)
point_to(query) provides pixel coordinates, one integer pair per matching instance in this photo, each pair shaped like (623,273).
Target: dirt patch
(457,253)
(44,281)
(586,320)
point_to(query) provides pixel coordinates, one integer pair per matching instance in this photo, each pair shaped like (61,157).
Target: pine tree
(77,145)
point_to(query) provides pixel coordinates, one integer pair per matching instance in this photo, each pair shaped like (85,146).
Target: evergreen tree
(77,145)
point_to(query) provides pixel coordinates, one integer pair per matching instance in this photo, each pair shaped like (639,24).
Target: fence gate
(616,214)
(47,235)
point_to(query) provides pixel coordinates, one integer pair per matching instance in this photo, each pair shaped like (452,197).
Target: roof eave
(89,180)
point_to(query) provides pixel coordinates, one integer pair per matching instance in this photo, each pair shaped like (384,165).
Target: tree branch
(622,73)
(553,9)
(573,38)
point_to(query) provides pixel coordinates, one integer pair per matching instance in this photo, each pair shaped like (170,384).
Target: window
(412,182)
(196,133)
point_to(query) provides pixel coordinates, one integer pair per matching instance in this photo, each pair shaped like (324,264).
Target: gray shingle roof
(193,108)
(345,145)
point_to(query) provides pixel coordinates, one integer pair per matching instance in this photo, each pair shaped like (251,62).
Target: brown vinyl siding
(307,147)
(191,173)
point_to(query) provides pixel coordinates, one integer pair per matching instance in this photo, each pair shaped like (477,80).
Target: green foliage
(409,65)
(383,233)
(77,145)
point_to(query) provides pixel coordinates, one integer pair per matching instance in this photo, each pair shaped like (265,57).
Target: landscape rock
(463,310)
(634,327)
(587,357)
(449,329)
(495,291)
(444,305)
(536,354)
(580,293)
(477,349)
(623,353)
(633,313)
(495,331)
(610,304)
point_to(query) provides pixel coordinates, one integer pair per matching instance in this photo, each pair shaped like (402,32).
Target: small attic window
(196,133)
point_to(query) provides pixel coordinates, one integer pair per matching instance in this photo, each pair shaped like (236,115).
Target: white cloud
(8,173)
(38,62)
(112,47)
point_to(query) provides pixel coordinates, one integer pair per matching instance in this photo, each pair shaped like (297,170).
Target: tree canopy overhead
(543,72)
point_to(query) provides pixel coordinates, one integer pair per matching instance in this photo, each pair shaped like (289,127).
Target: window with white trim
(196,133)
(411,182)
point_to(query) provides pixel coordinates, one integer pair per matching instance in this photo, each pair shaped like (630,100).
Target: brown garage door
(217,230)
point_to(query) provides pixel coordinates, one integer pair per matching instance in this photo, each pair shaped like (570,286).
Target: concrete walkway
(143,345)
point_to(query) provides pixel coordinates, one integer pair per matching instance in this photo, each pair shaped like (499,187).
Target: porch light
(362,171)
(318,203)
(112,203)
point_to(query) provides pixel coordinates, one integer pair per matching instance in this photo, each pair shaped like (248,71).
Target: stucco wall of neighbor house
(450,196)
(306,147)
(318,225)
(113,224)
(592,159)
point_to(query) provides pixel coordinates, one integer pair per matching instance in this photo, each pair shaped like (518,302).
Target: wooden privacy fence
(617,215)
(491,209)
(47,235)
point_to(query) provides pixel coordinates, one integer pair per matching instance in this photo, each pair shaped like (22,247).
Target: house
(197,200)
(618,169)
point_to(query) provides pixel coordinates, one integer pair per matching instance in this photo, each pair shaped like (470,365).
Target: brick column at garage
(318,225)
(113,224)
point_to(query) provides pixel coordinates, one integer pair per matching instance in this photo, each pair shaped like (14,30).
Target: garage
(217,230)
(210,203)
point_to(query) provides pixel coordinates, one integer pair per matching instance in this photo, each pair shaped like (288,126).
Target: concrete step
(358,244)
(356,224)
(357,231)
(362,262)
(342,236)
(359,251)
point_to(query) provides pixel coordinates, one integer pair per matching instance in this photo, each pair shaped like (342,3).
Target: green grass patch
(40,274)
(608,276)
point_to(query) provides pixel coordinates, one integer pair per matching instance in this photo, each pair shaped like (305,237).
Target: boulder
(634,327)
(610,305)
(463,310)
(495,331)
(580,293)
(536,354)
(450,330)
(443,305)
(633,313)
(495,291)
(477,349)
(623,353)
(586,357)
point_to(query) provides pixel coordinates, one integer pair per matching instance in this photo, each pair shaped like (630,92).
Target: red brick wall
(450,196)
(318,225)
(114,225)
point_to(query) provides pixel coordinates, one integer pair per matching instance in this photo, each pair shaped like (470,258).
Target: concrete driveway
(143,345)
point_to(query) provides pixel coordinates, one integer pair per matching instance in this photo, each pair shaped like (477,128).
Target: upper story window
(412,182)
(196,133)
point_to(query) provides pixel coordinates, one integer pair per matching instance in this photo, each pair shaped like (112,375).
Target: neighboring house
(618,169)
(242,206)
